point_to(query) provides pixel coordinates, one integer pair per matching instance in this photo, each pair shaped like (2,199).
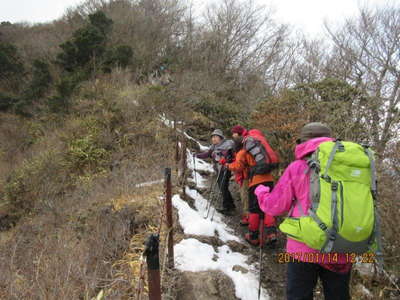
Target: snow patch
(171,124)
(193,222)
(195,164)
(200,164)
(202,148)
(192,255)
(195,256)
(148,183)
(167,122)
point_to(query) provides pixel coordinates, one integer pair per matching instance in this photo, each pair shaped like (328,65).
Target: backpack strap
(338,146)
(314,170)
(298,204)
(370,155)
(377,226)
(331,233)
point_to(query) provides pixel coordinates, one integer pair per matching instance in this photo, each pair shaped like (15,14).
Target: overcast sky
(305,15)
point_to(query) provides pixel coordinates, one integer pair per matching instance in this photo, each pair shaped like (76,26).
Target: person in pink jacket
(306,264)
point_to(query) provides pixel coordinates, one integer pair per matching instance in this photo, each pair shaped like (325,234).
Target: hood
(225,144)
(309,146)
(219,133)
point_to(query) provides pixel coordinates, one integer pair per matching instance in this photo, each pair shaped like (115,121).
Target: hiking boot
(252,238)
(244,221)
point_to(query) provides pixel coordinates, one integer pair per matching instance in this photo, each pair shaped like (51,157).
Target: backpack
(343,216)
(266,159)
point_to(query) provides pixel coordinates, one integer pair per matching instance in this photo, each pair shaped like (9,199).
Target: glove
(222,161)
(261,190)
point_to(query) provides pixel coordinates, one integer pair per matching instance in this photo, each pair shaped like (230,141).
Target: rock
(210,285)
(366,270)
(204,173)
(191,185)
(241,269)
(363,292)
(236,246)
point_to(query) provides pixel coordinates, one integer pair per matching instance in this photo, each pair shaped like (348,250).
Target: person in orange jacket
(242,179)
(242,164)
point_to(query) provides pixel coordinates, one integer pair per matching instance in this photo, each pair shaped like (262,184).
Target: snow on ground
(195,164)
(194,222)
(195,256)
(192,255)
(200,164)
(202,148)
(170,124)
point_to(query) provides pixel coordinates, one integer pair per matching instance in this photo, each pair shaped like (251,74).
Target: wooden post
(153,266)
(168,203)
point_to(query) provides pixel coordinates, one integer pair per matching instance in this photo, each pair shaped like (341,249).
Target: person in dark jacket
(221,149)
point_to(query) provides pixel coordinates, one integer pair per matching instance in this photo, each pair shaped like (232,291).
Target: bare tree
(243,37)
(368,49)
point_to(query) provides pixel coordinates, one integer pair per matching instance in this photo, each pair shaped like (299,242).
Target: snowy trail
(195,256)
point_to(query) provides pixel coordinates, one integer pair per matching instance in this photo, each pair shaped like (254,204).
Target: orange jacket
(242,164)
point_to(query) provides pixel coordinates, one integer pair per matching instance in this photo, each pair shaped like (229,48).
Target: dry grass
(81,221)
(96,250)
(146,206)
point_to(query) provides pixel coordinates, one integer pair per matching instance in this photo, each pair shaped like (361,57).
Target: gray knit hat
(314,130)
(219,133)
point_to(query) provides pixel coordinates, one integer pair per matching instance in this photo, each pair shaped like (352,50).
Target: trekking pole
(214,183)
(216,197)
(220,195)
(194,168)
(261,252)
(212,188)
(213,213)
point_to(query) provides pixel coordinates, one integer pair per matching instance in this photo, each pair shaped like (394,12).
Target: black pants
(254,208)
(302,278)
(223,185)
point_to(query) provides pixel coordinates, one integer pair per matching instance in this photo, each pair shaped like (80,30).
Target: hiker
(245,163)
(292,194)
(242,179)
(221,149)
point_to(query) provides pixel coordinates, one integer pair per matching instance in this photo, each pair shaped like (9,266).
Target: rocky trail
(215,260)
(217,263)
(211,255)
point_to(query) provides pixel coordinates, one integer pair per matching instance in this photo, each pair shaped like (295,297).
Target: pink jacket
(295,184)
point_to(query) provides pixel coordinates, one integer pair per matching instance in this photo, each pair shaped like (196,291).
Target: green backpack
(343,216)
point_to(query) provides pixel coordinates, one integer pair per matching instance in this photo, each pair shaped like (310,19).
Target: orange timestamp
(314,257)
